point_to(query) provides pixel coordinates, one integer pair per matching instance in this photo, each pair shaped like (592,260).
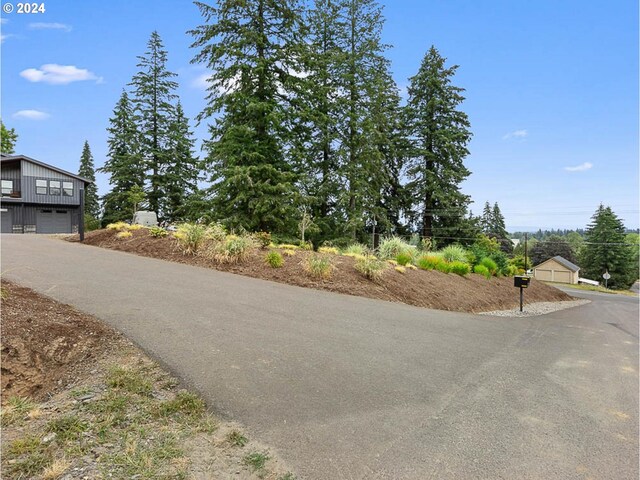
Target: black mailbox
(521,281)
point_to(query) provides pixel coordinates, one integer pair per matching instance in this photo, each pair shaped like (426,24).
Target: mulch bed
(45,343)
(430,289)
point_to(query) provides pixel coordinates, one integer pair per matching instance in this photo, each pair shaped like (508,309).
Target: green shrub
(482,270)
(428,262)
(190,237)
(460,268)
(511,270)
(319,266)
(91,223)
(443,266)
(371,267)
(274,259)
(355,249)
(307,245)
(393,246)
(454,253)
(404,258)
(234,248)
(263,239)
(490,265)
(158,232)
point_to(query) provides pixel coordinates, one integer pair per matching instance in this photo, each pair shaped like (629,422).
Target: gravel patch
(534,309)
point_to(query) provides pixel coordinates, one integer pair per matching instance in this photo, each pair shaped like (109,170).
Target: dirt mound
(431,289)
(44,342)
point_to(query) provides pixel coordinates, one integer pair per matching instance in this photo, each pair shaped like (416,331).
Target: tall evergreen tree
(440,133)
(181,173)
(153,97)
(359,72)
(8,138)
(316,140)
(605,250)
(124,163)
(87,170)
(253,49)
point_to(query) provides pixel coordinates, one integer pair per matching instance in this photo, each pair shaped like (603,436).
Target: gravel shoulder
(538,308)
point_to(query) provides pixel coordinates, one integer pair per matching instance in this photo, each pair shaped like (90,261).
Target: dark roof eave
(42,164)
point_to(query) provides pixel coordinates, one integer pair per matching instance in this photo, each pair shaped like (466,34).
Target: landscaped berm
(397,272)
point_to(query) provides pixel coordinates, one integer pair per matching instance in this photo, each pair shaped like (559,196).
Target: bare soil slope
(44,343)
(430,289)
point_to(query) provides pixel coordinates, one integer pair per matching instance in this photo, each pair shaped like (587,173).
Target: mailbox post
(522,282)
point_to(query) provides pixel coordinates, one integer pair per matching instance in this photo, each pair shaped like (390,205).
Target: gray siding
(10,172)
(24,216)
(29,190)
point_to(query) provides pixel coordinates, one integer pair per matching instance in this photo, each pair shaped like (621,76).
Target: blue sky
(551,88)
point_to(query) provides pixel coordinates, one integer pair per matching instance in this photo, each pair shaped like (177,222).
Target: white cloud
(579,168)
(201,81)
(31,115)
(55,74)
(4,37)
(516,134)
(49,26)
(3,21)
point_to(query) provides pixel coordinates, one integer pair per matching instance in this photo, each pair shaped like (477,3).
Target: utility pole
(525,253)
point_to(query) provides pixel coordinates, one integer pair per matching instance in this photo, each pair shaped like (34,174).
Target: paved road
(346,387)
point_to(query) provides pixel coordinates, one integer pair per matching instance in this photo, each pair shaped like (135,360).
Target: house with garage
(37,197)
(557,269)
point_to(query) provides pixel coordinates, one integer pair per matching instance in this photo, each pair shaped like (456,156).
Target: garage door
(544,275)
(562,276)
(53,221)
(7,224)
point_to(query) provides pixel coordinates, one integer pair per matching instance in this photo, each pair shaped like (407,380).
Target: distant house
(37,197)
(557,269)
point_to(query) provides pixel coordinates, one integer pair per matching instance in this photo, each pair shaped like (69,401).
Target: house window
(7,187)
(54,187)
(41,187)
(67,189)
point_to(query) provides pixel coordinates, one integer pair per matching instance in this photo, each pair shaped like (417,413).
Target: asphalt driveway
(347,387)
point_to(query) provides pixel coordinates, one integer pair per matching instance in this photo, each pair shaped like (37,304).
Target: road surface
(353,388)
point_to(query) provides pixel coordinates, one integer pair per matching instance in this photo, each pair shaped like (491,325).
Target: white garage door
(53,221)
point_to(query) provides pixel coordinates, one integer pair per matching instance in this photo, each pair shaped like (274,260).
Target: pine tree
(8,139)
(486,220)
(181,173)
(360,67)
(440,134)
(87,170)
(253,49)
(605,250)
(153,96)
(315,149)
(124,162)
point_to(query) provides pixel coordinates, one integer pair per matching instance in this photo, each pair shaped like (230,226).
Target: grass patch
(371,267)
(190,237)
(428,262)
(185,404)
(329,250)
(56,469)
(68,427)
(31,465)
(158,232)
(319,266)
(274,259)
(490,265)
(356,249)
(593,288)
(25,446)
(404,258)
(15,410)
(256,460)
(236,438)
(393,246)
(129,381)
